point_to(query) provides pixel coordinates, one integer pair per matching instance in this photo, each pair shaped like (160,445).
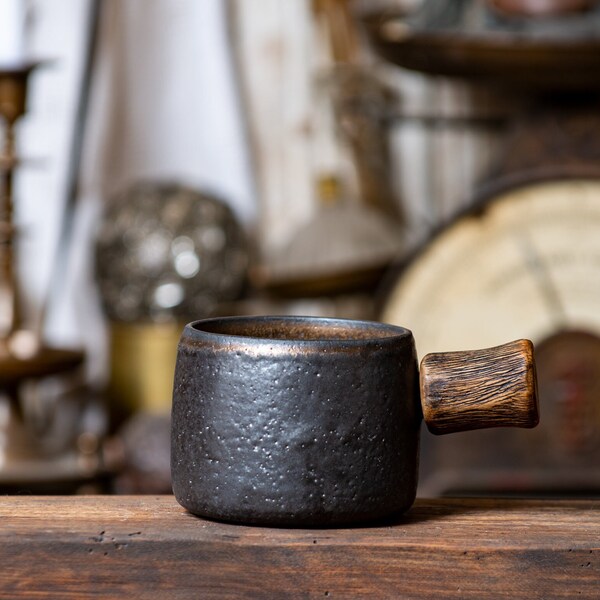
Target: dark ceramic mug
(315,422)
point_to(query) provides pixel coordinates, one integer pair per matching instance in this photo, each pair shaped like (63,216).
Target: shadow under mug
(303,421)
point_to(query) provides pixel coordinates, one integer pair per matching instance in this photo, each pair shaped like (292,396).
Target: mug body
(295,421)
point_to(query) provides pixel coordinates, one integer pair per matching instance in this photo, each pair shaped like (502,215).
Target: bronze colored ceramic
(315,422)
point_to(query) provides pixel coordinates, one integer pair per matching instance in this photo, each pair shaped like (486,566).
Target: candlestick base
(46,361)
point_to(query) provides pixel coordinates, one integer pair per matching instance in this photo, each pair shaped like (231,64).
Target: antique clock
(524,259)
(524,263)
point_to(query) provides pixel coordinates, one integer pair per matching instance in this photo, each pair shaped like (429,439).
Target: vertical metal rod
(61,256)
(10,321)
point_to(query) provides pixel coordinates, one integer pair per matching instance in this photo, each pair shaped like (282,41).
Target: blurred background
(426,163)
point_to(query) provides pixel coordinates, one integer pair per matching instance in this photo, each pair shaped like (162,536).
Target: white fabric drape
(166,100)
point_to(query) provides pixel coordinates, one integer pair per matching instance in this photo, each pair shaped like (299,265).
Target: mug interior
(299,328)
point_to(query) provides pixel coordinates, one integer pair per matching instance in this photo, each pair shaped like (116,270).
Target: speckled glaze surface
(295,421)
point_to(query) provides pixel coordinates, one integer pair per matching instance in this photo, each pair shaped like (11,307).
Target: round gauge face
(527,265)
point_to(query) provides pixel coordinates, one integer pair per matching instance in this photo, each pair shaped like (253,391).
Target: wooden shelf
(145,546)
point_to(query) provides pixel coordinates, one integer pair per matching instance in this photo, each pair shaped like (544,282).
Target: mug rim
(373,331)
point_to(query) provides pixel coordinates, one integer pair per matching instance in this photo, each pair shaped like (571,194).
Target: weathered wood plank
(131,547)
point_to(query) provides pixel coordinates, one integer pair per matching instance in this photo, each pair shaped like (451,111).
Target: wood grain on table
(147,546)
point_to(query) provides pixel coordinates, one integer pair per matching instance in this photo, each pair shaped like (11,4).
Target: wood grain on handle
(494,387)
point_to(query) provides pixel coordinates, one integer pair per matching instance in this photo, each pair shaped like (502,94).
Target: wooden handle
(495,387)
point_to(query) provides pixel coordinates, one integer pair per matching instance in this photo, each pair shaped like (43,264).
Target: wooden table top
(148,546)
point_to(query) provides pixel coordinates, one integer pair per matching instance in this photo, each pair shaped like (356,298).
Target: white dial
(526,266)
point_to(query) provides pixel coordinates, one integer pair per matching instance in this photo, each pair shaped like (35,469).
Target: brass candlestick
(22,352)
(26,458)
(13,92)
